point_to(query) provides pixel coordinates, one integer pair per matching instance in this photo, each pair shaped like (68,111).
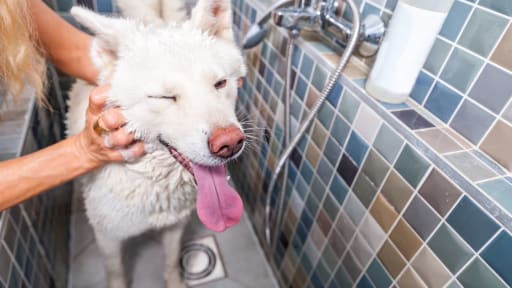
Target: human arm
(27,176)
(67,47)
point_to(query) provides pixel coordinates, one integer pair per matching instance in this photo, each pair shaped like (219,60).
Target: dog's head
(177,83)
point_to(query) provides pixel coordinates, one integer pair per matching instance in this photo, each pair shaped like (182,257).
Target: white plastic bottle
(410,36)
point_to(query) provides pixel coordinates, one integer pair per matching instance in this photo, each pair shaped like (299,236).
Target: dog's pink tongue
(218,205)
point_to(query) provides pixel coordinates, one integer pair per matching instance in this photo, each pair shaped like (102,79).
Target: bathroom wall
(385,195)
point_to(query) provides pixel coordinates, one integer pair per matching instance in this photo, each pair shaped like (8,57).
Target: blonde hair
(21,59)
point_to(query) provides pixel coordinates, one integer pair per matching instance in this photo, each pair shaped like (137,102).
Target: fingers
(97,99)
(118,138)
(129,154)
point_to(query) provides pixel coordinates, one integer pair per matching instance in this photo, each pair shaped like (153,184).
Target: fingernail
(127,155)
(107,141)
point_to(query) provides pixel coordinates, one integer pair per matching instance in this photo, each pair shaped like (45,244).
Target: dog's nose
(225,142)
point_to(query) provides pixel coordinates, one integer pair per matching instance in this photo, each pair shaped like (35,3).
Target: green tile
(437,56)
(388,143)
(411,165)
(349,106)
(482,32)
(364,189)
(500,6)
(375,168)
(461,69)
(499,190)
(450,248)
(478,274)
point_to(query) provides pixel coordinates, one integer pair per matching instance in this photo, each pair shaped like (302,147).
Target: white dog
(152,11)
(177,86)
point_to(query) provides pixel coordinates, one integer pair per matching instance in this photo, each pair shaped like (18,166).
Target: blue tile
(472,223)
(302,234)
(364,282)
(332,151)
(312,204)
(378,275)
(325,115)
(297,53)
(319,78)
(501,6)
(306,67)
(339,189)
(455,20)
(356,148)
(499,190)
(306,171)
(301,88)
(306,219)
(335,94)
(104,6)
(306,263)
(324,171)
(443,101)
(499,256)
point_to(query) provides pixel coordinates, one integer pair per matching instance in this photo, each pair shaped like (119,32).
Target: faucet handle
(372,33)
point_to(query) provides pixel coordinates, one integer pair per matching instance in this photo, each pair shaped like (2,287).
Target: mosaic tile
(499,256)
(473,224)
(442,102)
(355,209)
(306,171)
(461,69)
(367,123)
(364,189)
(335,94)
(437,56)
(391,259)
(378,275)
(411,165)
(347,169)
(351,266)
(340,130)
(319,134)
(330,258)
(500,6)
(421,217)
(493,88)
(372,233)
(499,190)
(361,250)
(338,189)
(496,144)
(439,192)
(455,20)
(477,274)
(482,32)
(336,242)
(439,141)
(450,248)
(456,136)
(375,168)
(396,191)
(318,188)
(325,171)
(326,115)
(364,282)
(421,87)
(324,222)
(342,278)
(405,239)
(312,98)
(345,226)
(430,269)
(306,66)
(470,166)
(313,155)
(322,273)
(489,162)
(412,119)
(383,212)
(472,122)
(312,206)
(410,279)
(331,207)
(349,106)
(502,52)
(454,284)
(301,88)
(332,151)
(388,143)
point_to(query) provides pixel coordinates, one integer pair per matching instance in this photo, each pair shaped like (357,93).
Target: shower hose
(289,145)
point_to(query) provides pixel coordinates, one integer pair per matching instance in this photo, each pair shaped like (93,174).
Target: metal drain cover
(201,262)
(197,261)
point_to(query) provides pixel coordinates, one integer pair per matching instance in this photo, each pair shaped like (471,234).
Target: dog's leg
(171,239)
(111,250)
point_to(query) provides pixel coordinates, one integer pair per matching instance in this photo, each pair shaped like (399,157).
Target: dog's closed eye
(220,84)
(173,98)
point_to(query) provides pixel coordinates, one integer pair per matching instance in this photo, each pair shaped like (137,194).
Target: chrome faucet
(320,15)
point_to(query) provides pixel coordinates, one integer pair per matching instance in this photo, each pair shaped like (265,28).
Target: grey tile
(472,122)
(477,274)
(461,69)
(352,267)
(421,217)
(364,189)
(437,56)
(439,141)
(493,88)
(345,227)
(501,6)
(349,106)
(482,32)
(388,143)
(375,168)
(439,192)
(470,166)
(355,210)
(430,269)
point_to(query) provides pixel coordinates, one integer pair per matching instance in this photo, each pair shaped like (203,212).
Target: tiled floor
(242,256)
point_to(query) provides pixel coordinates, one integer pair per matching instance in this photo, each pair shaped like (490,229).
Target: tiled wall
(377,195)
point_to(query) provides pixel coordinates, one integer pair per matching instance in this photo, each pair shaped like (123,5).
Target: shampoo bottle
(406,45)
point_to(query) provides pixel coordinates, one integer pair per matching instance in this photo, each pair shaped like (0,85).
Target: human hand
(104,139)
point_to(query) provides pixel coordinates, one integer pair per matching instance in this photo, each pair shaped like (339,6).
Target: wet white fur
(139,60)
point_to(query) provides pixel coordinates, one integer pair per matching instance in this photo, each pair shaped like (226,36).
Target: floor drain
(197,261)
(201,262)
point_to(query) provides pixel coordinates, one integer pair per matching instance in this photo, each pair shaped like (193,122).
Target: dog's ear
(214,17)
(108,31)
